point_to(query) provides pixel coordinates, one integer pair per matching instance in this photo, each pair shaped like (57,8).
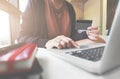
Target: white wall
(92,11)
(104,16)
(96,10)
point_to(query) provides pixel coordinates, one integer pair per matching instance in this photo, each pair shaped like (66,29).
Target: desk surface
(55,68)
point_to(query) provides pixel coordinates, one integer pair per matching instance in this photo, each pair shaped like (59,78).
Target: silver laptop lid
(111,56)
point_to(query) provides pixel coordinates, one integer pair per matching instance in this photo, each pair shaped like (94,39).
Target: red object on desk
(19,59)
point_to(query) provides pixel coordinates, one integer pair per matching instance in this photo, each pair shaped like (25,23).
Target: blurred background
(101,12)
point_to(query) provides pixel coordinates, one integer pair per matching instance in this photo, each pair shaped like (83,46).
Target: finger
(75,44)
(72,43)
(69,42)
(92,28)
(55,42)
(57,45)
(94,32)
(93,36)
(63,43)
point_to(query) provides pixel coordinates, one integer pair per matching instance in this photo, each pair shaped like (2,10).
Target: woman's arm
(88,41)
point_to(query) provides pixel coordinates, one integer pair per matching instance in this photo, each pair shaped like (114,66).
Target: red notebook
(18,60)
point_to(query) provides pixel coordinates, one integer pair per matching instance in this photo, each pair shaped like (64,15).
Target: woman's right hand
(61,42)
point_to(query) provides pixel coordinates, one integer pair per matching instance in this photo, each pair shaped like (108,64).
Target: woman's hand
(61,42)
(93,33)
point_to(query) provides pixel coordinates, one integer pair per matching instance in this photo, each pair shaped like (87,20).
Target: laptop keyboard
(93,54)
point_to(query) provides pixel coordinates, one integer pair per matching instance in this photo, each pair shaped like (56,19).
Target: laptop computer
(110,56)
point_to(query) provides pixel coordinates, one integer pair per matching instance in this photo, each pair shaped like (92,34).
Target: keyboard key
(93,54)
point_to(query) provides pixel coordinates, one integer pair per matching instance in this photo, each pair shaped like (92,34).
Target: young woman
(51,23)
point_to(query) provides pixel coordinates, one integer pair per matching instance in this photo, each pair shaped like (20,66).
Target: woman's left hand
(93,33)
